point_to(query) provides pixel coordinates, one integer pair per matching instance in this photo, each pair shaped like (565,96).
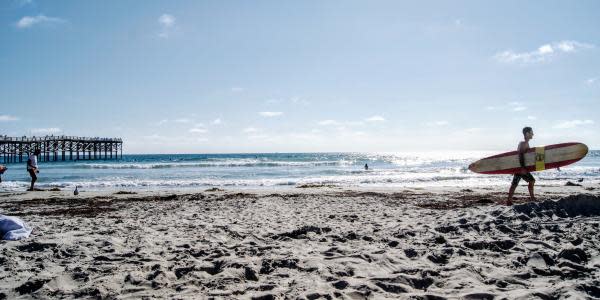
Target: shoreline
(542,191)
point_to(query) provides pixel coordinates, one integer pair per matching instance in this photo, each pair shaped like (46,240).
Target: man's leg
(531,181)
(531,196)
(511,192)
(33,179)
(513,186)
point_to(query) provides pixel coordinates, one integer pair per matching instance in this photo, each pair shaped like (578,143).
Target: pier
(59,148)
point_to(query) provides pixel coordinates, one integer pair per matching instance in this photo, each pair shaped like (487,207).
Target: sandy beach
(299,150)
(304,243)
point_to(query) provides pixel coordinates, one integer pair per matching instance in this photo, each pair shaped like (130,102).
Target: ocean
(179,171)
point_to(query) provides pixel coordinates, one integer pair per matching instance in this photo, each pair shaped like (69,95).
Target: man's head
(37,152)
(527,133)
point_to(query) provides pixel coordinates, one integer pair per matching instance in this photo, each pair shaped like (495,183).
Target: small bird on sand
(76,192)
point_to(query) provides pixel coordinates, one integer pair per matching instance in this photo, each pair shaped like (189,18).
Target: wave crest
(211,165)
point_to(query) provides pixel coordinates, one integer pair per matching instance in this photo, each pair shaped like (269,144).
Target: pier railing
(55,148)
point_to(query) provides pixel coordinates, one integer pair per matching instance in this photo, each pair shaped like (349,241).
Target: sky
(302,76)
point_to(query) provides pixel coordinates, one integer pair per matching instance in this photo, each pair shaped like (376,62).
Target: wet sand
(306,243)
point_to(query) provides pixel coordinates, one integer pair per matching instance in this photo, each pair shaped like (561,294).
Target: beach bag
(13,228)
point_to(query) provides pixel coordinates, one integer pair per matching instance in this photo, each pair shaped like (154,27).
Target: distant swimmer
(366,167)
(523,174)
(2,170)
(32,167)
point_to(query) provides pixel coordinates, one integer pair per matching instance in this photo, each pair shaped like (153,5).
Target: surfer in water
(523,174)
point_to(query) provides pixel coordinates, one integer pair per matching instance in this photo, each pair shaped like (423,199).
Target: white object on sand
(13,228)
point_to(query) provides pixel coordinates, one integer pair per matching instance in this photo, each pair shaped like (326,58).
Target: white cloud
(153,137)
(569,46)
(545,49)
(250,130)
(328,122)
(182,120)
(375,119)
(166,20)
(517,106)
(167,24)
(573,124)
(270,114)
(300,101)
(438,123)
(236,89)
(23,2)
(258,136)
(30,21)
(511,106)
(473,130)
(293,100)
(8,118)
(542,53)
(217,121)
(198,130)
(273,101)
(183,140)
(342,125)
(51,130)
(591,81)
(531,118)
(357,123)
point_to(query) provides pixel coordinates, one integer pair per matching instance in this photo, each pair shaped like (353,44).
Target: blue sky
(295,76)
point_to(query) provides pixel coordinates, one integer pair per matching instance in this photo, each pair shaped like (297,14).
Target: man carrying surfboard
(523,174)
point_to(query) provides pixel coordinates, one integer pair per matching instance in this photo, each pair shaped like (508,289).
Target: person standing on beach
(523,174)
(2,170)
(32,167)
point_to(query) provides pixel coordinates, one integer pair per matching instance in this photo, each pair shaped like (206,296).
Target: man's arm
(522,149)
(30,165)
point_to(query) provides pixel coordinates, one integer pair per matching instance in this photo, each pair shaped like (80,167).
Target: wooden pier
(59,148)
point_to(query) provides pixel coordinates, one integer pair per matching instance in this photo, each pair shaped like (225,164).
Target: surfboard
(536,159)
